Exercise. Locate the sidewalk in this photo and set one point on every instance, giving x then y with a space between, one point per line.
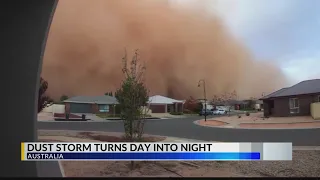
256 121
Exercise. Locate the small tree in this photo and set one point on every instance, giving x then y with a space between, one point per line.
43 99
192 105
226 99
132 96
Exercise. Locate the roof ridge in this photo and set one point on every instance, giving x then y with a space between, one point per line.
298 84
275 92
297 89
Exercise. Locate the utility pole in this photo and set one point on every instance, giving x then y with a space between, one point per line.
205 97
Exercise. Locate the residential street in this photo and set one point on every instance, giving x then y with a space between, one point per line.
185 128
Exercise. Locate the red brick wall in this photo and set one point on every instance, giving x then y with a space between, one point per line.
111 109
282 108
180 107
95 108
67 107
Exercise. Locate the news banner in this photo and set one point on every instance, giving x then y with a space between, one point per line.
39 151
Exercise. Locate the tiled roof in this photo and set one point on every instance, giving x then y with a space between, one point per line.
304 87
93 99
157 99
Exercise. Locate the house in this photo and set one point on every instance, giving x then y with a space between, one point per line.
251 104
238 105
258 105
292 101
161 104
90 104
206 104
230 104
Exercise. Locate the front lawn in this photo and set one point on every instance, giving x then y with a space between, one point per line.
104 115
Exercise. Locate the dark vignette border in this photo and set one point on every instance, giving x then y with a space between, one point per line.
24 30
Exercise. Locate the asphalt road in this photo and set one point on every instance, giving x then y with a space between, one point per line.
48 169
185 128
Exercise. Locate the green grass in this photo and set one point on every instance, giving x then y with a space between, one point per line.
104 115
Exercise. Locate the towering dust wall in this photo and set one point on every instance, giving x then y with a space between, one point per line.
87 40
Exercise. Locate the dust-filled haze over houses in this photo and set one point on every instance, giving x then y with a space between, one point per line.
179 45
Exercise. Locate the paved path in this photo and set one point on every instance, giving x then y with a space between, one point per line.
185 128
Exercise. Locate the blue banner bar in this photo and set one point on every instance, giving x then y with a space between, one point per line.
148 156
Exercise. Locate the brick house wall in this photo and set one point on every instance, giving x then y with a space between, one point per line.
282 107
180 107
266 110
67 107
95 108
316 98
111 109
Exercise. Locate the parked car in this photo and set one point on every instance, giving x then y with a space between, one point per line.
205 112
220 112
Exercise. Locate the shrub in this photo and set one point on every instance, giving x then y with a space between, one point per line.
187 111
43 99
63 98
192 105
247 114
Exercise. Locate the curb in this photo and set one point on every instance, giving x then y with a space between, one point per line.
174 139
168 138
227 126
105 120
61 169
233 127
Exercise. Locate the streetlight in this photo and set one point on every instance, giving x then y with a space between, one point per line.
205 97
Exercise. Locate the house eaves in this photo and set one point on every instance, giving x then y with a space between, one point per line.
302 88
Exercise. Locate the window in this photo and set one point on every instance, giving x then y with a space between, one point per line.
104 108
294 105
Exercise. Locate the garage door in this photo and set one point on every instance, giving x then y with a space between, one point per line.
80 108
155 108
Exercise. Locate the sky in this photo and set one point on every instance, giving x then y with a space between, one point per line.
284 31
